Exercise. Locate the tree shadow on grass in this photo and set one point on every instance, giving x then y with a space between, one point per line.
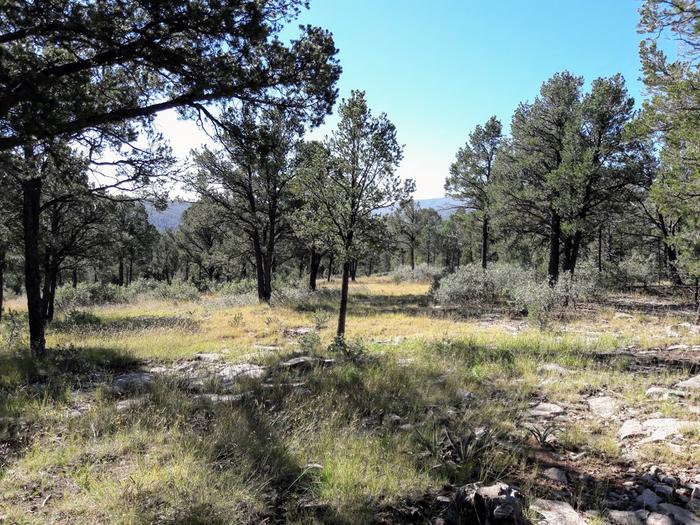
86 322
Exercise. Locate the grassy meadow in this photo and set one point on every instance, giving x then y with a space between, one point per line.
358 439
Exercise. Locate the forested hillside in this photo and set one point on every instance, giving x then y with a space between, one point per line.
305 341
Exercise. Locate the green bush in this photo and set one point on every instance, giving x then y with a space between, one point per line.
421 273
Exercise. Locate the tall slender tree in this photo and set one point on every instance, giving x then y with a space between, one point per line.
471 175
359 178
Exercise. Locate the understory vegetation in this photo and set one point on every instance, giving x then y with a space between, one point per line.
420 399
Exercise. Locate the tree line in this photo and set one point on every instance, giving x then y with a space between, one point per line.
580 174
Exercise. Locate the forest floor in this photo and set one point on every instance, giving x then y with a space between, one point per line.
218 411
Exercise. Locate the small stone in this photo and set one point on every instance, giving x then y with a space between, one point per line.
392 420
556 474
630 428
667 480
465 396
545 410
657 392
208 356
690 384
221 398
658 519
133 381
304 361
603 406
552 368
556 512
663 490
623 517
649 500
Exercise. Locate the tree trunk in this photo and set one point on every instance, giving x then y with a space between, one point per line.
484 243
31 210
353 271
342 313
314 263
412 253
672 257
554 237
120 276
51 298
600 249
259 270
330 266
2 281
75 277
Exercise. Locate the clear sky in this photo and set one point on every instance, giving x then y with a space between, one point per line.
439 68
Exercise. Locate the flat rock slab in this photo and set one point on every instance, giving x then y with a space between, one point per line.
659 392
545 410
552 368
658 519
556 513
299 362
630 428
221 398
133 381
624 517
690 384
661 429
680 514
604 407
233 372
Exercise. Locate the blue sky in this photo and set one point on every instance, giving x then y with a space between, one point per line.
439 68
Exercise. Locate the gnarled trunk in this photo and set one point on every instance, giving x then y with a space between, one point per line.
314 263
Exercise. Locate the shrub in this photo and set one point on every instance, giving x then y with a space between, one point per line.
421 273
515 288
473 284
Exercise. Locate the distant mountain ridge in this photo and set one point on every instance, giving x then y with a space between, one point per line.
171 217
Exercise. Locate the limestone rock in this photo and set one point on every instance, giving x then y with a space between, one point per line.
556 513
658 519
545 410
133 381
660 429
624 517
556 474
630 428
658 392
499 504
604 407
690 384
304 361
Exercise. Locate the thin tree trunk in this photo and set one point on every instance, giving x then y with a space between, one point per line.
484 243
31 210
353 271
51 299
554 237
412 252
314 263
2 281
75 277
342 313
120 276
330 266
600 249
